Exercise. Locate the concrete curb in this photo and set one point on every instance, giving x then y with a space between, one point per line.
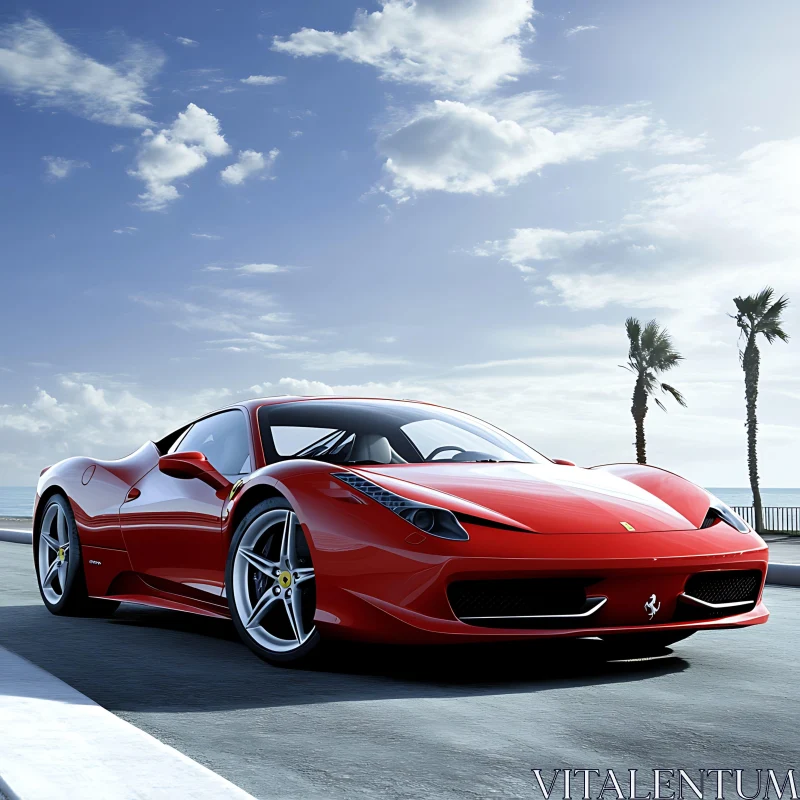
5 791
95 754
19 537
783 574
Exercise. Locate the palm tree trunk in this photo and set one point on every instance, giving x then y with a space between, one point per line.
639 411
751 360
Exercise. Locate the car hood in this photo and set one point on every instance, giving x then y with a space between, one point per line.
546 498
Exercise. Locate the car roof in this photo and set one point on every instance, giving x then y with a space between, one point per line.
257 402
252 405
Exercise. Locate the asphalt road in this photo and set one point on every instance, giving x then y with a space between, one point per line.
426 723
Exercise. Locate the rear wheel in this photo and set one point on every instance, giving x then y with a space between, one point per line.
59 567
644 643
271 585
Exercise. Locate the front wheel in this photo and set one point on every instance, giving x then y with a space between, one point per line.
271 584
57 557
644 643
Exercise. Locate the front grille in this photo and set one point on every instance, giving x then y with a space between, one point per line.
726 586
476 602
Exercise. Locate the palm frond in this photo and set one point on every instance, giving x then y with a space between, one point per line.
649 336
770 323
777 308
754 305
649 382
771 334
763 299
758 314
633 328
665 387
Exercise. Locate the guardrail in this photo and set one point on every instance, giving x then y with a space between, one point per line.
776 518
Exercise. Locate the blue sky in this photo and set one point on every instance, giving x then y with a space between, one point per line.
452 201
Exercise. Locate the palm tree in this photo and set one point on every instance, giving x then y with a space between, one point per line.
756 314
651 352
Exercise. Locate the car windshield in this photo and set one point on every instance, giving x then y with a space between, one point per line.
382 432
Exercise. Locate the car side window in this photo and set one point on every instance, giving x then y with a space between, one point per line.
223 439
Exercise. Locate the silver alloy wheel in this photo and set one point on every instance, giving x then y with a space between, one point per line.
271 584
53 553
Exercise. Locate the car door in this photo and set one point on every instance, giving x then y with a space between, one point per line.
173 526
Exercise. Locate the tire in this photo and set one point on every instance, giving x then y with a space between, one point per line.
273 616
644 643
59 565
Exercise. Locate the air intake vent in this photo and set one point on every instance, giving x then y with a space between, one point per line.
711 517
524 602
711 595
725 586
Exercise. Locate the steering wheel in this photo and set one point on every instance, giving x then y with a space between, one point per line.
443 449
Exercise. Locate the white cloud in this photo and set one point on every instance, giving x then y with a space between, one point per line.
186 42
191 316
261 269
340 359
37 64
752 128
275 318
486 147
580 29
257 342
117 148
539 244
211 236
467 47
675 143
246 297
301 387
176 152
262 80
746 210
718 231
670 171
452 147
57 168
128 229
587 291
250 162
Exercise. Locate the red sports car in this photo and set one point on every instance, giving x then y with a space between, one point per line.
393 521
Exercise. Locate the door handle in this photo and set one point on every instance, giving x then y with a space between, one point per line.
132 494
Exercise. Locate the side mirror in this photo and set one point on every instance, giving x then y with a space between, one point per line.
564 462
194 465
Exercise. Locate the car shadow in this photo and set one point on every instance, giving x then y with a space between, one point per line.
149 660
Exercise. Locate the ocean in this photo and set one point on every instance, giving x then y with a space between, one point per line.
17 501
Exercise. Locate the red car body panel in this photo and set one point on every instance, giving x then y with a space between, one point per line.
173 531
381 579
545 498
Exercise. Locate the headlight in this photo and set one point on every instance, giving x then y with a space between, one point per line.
719 511
430 519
